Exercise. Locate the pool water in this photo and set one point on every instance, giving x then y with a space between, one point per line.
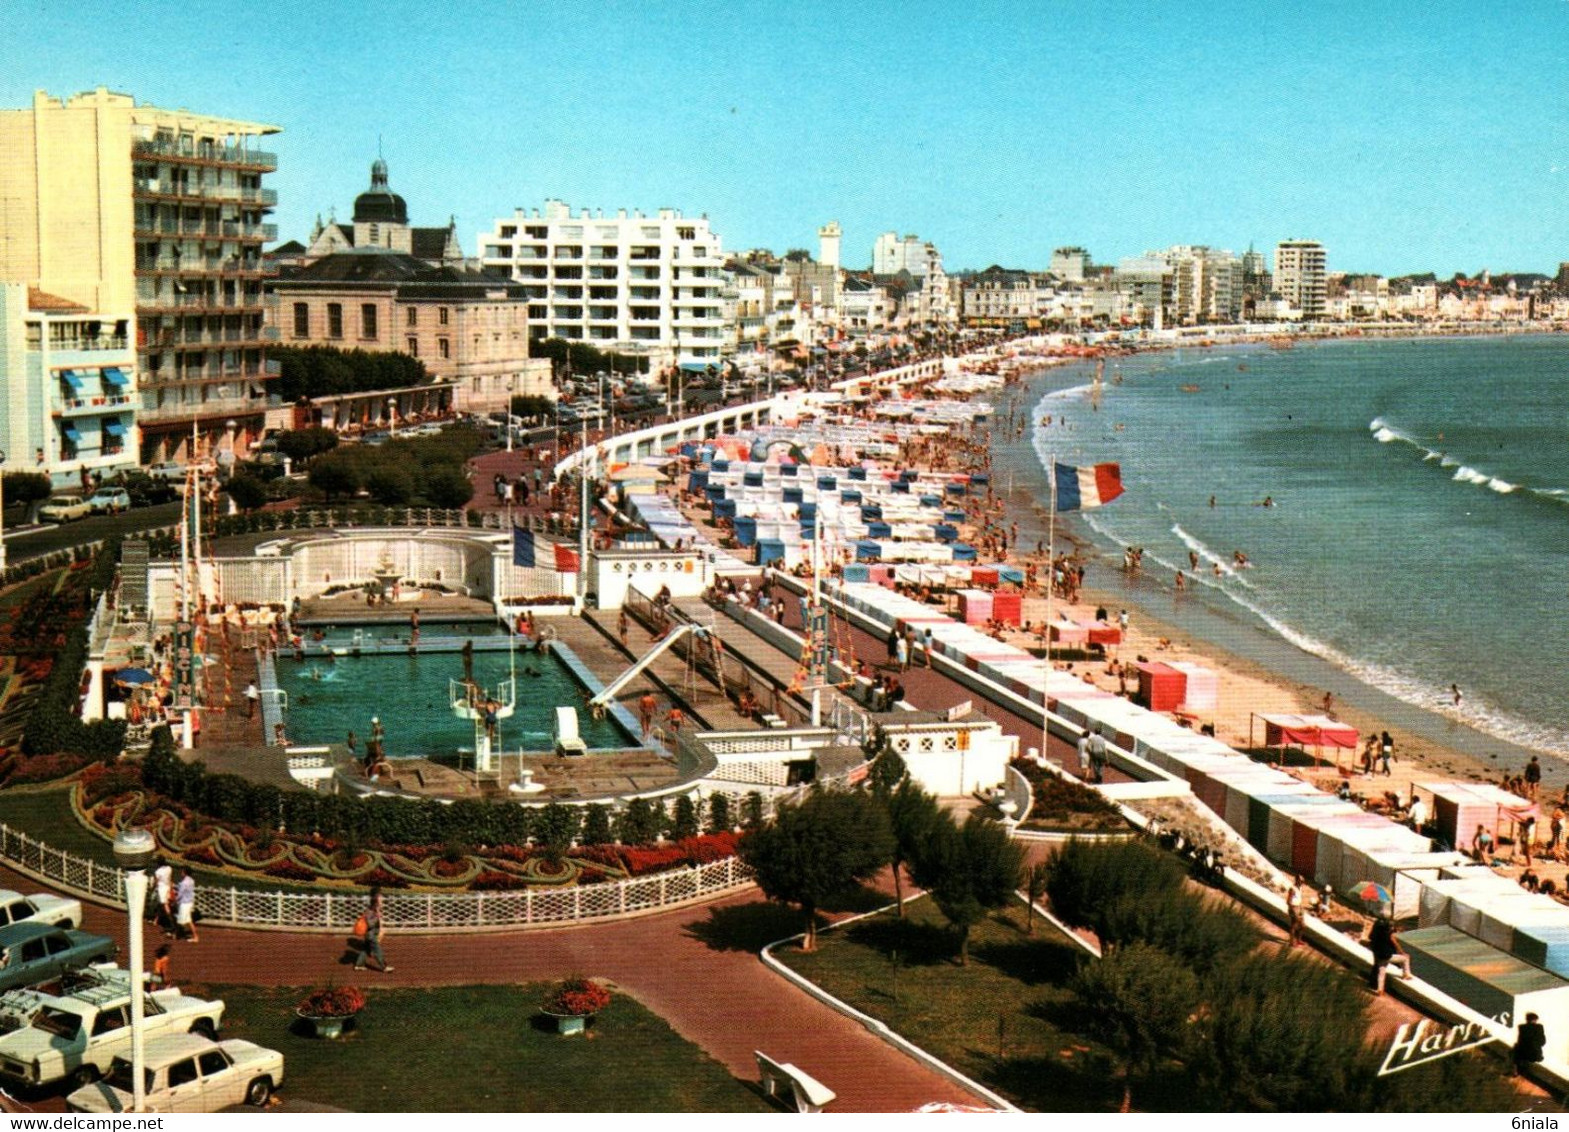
409 693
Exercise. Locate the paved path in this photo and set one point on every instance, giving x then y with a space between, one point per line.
697 967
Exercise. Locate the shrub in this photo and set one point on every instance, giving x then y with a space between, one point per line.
1086 878
719 813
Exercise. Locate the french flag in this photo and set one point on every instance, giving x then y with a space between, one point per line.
1079 489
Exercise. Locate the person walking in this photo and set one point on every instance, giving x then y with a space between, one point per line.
926 648
1384 942
1084 752
1097 756
1533 778
185 906
1294 911
163 893
646 705
368 929
902 653
252 698
1386 752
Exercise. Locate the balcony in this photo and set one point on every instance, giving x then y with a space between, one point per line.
241 157
86 345
154 305
211 229
152 413
91 406
145 188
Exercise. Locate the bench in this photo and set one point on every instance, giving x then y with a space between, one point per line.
807 1093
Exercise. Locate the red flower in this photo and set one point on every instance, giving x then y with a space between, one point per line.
578 996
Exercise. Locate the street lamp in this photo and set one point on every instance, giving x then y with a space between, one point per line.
134 850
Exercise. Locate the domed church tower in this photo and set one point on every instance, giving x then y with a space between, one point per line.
381 218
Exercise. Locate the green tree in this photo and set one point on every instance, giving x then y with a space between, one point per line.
532 406
557 826
1035 888
447 487
973 869
1138 1000
914 816
639 824
596 825
301 444
719 820
1086 877
1284 1033
30 488
391 486
685 822
247 491
334 477
817 849
888 771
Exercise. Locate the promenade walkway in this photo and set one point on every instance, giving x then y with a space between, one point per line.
696 967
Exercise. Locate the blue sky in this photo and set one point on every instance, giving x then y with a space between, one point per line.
1406 137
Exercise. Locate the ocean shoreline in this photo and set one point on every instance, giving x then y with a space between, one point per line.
1231 639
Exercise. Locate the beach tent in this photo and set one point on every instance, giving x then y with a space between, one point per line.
1161 687
1304 731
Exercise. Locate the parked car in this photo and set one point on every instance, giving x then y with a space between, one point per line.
187 1073
109 500
168 470
40 908
64 508
77 1034
35 953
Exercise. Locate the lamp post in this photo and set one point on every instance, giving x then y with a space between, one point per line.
511 382
134 850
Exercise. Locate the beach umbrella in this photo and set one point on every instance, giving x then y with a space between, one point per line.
1371 892
133 676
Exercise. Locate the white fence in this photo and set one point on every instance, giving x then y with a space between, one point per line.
421 912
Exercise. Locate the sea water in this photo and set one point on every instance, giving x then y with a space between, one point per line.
1420 505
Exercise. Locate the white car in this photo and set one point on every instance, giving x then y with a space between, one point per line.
64 508
187 1073
39 908
76 1035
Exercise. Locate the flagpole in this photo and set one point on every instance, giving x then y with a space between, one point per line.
1051 578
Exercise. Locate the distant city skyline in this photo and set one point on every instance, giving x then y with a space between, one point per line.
1394 135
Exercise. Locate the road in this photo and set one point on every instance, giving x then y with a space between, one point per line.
47 537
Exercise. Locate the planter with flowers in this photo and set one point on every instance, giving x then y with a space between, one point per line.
329 1009
575 1002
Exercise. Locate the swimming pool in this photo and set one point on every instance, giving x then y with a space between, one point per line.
330 696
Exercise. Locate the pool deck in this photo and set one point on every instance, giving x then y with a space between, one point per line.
350 608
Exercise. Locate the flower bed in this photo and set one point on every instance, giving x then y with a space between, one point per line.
108 799
1059 804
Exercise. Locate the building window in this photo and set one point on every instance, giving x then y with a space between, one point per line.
368 320
443 348
413 347
334 320
441 315
413 316
302 320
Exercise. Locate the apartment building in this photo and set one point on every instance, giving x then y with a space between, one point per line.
997 296
1207 283
1070 264
67 378
893 253
1300 276
628 283
121 207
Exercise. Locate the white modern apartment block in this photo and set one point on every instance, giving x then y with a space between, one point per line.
628 283
67 387
1300 276
1207 283
893 253
1071 264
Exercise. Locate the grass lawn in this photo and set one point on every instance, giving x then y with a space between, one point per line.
483 1049
1005 1020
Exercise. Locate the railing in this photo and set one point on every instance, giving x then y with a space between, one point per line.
422 912
99 403
228 155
